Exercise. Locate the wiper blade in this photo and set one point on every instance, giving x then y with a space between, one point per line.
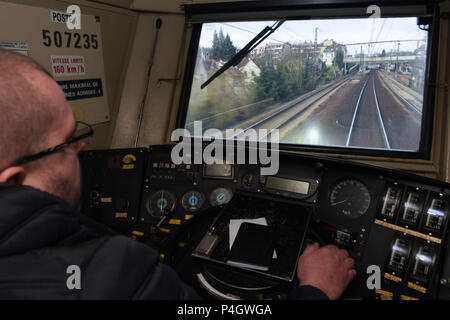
237 58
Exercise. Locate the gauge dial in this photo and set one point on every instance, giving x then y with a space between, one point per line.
160 202
192 201
350 198
220 196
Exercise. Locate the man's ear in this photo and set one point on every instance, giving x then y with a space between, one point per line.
14 175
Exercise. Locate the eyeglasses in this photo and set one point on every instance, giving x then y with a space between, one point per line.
83 132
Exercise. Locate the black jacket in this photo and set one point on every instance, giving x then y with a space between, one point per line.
41 236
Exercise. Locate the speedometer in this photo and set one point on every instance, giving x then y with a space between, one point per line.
350 198
220 196
192 201
160 203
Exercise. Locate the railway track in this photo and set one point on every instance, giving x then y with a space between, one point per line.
381 121
280 118
408 104
368 99
364 114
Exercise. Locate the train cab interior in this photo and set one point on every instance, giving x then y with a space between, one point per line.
230 135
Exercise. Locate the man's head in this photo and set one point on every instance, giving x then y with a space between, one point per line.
35 116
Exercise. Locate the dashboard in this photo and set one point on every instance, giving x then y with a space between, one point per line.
233 233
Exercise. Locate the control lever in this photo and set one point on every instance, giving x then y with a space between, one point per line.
165 215
210 240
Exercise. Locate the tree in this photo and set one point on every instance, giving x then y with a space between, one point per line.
264 82
229 50
339 58
222 48
306 74
215 47
294 75
277 83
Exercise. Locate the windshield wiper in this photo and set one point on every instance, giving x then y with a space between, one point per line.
237 58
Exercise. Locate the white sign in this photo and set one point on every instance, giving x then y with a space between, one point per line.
17 46
59 16
72 18
72 56
63 66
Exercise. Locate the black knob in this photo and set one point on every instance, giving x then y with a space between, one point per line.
158 23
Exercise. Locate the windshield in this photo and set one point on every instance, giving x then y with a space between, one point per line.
337 83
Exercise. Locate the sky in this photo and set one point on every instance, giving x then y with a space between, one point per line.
343 31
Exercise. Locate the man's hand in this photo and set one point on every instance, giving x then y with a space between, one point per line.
328 268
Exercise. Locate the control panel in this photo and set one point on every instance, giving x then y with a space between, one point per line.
413 219
192 213
112 186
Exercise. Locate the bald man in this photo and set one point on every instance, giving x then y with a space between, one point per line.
42 237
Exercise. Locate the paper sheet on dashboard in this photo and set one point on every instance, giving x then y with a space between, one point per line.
236 223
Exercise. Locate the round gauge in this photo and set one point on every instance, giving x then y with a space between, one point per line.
192 201
160 202
220 196
350 198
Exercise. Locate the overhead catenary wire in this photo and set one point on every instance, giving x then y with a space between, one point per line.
252 32
378 35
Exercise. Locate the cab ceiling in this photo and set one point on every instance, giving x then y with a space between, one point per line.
171 6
